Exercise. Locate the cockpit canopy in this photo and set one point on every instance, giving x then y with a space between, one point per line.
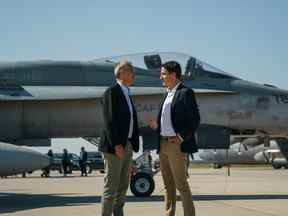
192 68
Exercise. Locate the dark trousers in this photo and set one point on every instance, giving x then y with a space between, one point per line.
83 168
65 167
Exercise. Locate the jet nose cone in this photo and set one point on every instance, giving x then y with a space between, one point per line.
37 160
15 160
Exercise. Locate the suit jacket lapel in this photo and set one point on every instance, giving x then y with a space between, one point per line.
161 105
122 96
162 100
132 104
175 96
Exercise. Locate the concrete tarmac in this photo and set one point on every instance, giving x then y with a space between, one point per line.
258 191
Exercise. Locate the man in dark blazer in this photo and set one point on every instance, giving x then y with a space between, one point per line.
119 139
177 122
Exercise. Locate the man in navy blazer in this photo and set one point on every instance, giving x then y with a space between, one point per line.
176 124
119 139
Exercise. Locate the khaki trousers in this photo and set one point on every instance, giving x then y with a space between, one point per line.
116 182
173 165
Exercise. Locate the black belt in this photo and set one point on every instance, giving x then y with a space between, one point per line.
167 137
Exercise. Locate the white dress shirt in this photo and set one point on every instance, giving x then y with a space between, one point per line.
126 92
166 123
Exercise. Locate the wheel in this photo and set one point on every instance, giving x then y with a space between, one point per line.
276 166
217 166
142 184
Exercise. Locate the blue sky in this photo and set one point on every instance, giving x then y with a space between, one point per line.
247 38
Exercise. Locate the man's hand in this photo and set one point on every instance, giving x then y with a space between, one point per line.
153 124
119 151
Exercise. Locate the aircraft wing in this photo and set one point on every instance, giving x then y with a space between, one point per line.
35 93
214 92
28 93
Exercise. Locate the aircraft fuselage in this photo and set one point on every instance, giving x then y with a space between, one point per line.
83 117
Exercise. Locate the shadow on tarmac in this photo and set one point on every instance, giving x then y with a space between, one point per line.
13 202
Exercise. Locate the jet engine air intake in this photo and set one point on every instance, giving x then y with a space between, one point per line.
212 137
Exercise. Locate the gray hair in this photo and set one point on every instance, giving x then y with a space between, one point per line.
123 65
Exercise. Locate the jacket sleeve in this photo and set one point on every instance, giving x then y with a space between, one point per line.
135 136
191 110
110 121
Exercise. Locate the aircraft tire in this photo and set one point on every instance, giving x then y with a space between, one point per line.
142 184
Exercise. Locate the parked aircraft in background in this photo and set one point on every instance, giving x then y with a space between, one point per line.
236 154
40 100
239 153
15 160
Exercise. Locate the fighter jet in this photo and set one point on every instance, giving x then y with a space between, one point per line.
236 154
240 153
15 160
47 99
